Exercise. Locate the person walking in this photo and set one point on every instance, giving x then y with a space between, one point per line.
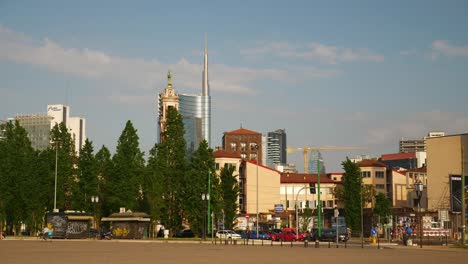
45 233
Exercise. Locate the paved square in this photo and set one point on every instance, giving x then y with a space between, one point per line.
116 252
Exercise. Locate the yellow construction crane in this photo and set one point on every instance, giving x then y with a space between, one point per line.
307 149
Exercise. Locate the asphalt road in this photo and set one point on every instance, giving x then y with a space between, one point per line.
116 252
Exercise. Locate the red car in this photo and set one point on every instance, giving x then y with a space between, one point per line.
289 234
273 235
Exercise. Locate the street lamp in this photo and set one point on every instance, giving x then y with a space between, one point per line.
55 189
419 188
95 201
205 197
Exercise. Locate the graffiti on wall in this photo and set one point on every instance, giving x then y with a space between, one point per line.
58 224
77 227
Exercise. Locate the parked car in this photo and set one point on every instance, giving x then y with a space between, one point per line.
227 234
329 234
261 235
273 235
187 233
242 233
289 234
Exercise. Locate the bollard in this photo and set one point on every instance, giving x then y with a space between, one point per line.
272 242
306 243
226 242
262 241
317 244
328 244
291 243
281 242
346 243
235 242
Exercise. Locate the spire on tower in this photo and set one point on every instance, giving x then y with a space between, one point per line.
205 85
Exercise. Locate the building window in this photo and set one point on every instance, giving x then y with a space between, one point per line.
365 174
253 156
243 156
243 146
234 146
330 204
379 174
217 166
253 147
379 186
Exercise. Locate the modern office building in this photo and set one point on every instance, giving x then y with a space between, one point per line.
191 109
417 145
246 143
314 157
38 128
276 148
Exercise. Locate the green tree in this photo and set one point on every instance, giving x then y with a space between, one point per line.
168 166
62 143
202 170
383 207
126 178
230 194
153 186
17 158
352 183
88 178
104 169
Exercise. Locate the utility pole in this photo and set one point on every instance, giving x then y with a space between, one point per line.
319 203
463 209
209 207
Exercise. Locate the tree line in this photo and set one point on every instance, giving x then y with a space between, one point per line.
168 185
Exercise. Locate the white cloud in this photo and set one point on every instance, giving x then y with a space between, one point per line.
443 47
313 51
138 73
417 125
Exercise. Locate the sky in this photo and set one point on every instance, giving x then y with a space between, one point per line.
332 73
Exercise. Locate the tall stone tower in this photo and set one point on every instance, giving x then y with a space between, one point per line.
167 99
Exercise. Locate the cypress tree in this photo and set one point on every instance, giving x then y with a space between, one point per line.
352 183
229 192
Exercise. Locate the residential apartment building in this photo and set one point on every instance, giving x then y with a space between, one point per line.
296 187
246 143
374 173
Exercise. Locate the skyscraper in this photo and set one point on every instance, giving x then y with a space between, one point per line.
313 157
276 148
206 98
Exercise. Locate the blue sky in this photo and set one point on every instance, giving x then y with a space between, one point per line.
332 73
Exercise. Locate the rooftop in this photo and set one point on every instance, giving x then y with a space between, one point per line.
371 163
221 153
242 131
305 178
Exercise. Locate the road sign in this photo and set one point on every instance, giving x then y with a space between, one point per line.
247 216
278 208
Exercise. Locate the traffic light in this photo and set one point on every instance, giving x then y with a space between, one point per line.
312 187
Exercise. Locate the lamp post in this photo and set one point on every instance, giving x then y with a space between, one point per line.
362 218
205 228
207 196
419 188
297 215
319 203
55 189
95 201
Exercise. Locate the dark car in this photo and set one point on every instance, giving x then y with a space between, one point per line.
261 235
329 234
187 233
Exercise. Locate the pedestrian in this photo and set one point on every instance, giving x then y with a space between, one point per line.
248 233
45 233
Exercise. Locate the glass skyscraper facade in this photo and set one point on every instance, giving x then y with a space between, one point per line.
276 148
191 109
38 128
313 157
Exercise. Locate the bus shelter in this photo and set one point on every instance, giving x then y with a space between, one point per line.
128 225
